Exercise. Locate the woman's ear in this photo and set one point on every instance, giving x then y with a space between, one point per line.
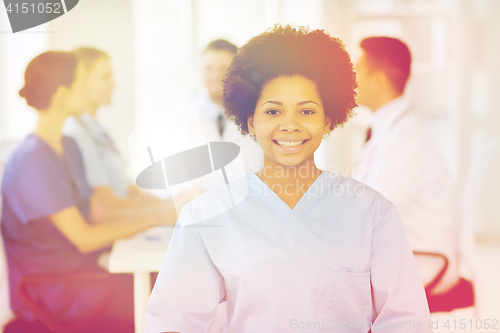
251 130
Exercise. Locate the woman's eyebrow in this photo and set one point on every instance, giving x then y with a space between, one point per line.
273 102
306 102
298 104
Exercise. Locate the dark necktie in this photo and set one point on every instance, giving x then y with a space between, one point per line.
220 124
368 134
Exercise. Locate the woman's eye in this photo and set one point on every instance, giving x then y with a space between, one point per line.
272 112
307 111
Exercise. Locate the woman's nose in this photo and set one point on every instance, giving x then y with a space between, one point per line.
290 123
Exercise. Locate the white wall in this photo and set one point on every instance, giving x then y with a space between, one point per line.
171 36
107 25
16 51
163 56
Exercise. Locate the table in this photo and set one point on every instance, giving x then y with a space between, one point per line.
141 255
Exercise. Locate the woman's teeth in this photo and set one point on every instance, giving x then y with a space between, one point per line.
288 144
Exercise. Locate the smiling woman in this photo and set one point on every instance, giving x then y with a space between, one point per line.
302 247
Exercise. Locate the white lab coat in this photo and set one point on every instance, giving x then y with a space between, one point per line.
103 164
402 162
208 112
339 259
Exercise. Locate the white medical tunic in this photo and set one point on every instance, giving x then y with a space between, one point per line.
402 162
339 260
103 163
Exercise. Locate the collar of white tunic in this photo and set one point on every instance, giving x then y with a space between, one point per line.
92 125
385 116
210 109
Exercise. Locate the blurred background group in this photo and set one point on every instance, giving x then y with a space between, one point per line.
158 61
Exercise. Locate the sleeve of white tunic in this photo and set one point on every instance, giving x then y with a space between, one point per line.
199 287
397 290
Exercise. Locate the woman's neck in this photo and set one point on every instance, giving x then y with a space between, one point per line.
49 128
302 175
92 110
290 183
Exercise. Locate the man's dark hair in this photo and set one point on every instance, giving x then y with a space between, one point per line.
288 51
221 45
391 56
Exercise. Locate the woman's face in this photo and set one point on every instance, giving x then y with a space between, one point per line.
289 121
74 96
99 83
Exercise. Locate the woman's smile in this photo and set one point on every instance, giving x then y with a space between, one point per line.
290 146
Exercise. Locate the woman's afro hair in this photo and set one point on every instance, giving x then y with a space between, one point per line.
287 51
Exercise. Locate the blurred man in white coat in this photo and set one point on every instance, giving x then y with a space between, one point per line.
216 60
400 160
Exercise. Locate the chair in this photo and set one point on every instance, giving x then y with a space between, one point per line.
24 326
461 295
48 321
5 312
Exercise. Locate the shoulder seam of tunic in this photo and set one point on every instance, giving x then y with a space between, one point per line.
391 206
